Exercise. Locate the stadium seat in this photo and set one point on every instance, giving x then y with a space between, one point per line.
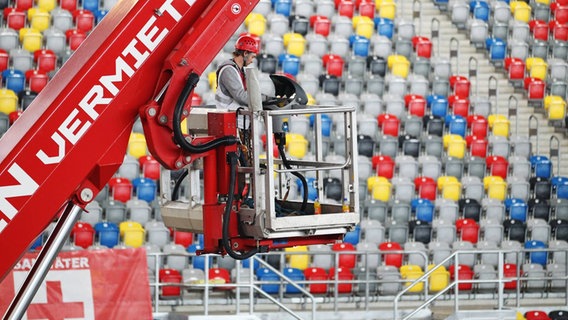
345 276
316 274
132 234
120 189
168 275
83 234
391 259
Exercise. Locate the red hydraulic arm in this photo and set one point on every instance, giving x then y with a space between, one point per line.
72 138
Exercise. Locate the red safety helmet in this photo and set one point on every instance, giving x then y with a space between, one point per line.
249 43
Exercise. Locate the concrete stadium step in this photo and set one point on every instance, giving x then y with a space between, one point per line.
485 69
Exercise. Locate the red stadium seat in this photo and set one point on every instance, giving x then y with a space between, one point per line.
170 276
426 187
37 80
69 5
45 59
468 230
389 124
415 105
83 234
559 31
150 167
13 116
346 8
515 68
84 20
464 272
196 100
391 259
75 38
422 47
4 60
183 237
24 5
120 189
478 125
497 166
220 276
536 315
459 106
384 166
461 86
560 12
343 274
367 9
15 19
333 65
477 146
347 260
510 271
536 88
539 29
316 274
320 25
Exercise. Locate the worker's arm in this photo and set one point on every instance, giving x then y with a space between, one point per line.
233 85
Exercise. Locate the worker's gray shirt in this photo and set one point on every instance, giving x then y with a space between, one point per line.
230 90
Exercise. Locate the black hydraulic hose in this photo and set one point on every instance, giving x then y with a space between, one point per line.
175 192
179 138
227 214
299 176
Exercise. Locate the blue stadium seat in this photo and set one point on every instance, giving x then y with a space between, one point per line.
384 26
295 275
456 125
107 233
423 209
265 274
540 257
438 105
291 64
480 10
145 188
517 209
541 166
14 80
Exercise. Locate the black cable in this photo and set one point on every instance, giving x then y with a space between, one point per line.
175 192
227 214
299 176
179 138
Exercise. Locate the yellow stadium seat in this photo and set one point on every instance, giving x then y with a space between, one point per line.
452 190
501 127
256 24
46 5
411 273
382 190
132 233
443 180
439 279
298 261
537 67
371 181
8 101
297 145
296 44
490 179
387 9
32 39
212 78
521 11
497 190
399 65
363 26
555 107
457 147
137 145
545 2
311 100
41 20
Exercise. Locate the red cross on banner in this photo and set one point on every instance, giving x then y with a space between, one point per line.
70 309
101 284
